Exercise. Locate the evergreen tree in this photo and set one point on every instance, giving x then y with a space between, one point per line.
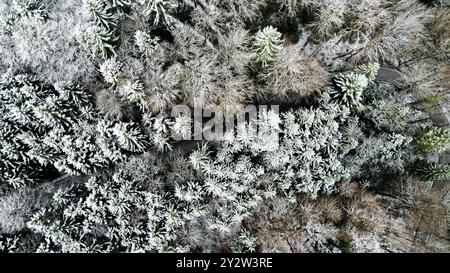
349 86
159 10
101 13
30 8
99 40
110 70
432 140
267 45
435 171
146 43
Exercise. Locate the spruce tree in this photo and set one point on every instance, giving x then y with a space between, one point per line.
432 140
267 44
435 171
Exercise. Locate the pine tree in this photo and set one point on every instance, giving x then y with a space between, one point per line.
110 70
435 172
30 8
146 44
432 140
349 88
246 242
159 10
199 157
73 93
129 137
134 93
99 40
101 14
370 70
267 45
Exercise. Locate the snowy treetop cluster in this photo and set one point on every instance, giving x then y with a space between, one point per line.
355 160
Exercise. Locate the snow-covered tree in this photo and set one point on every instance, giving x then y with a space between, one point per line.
432 140
110 70
99 40
435 171
267 44
145 42
349 86
159 9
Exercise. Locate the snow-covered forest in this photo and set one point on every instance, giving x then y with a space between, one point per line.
351 154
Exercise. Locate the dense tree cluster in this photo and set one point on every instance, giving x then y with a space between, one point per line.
353 158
